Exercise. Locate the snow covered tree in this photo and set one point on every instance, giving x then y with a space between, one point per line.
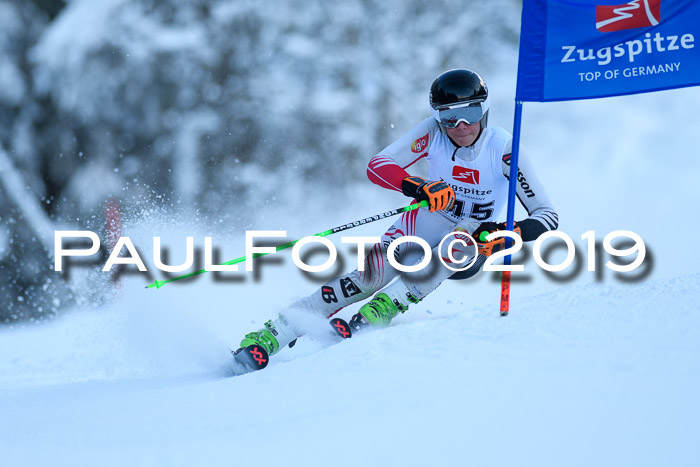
193 105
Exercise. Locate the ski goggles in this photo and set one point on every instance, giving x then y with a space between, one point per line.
468 112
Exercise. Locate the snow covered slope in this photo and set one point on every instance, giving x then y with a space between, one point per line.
586 375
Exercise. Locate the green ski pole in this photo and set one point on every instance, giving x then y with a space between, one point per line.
158 284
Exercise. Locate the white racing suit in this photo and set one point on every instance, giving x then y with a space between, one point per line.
479 177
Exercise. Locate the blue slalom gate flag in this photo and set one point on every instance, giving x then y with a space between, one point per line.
585 49
581 49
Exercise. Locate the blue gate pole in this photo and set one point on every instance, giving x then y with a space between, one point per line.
512 187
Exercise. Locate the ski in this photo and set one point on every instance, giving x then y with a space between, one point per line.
346 329
249 359
341 328
254 357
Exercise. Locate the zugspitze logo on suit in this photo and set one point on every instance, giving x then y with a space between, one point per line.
462 174
635 14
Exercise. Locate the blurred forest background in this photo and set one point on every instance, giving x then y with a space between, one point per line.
204 107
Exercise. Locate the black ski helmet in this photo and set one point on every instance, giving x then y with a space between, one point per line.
460 85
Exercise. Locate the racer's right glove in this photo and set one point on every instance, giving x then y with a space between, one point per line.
440 195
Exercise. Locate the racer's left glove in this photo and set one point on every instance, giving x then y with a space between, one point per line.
488 248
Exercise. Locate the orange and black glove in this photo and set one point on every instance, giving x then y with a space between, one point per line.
439 194
488 248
